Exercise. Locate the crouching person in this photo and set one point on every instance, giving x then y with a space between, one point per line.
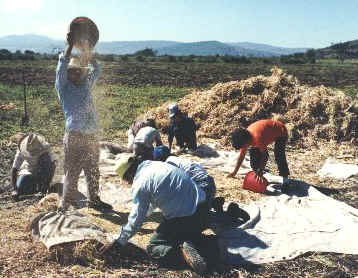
182 128
134 129
33 167
256 138
184 206
144 140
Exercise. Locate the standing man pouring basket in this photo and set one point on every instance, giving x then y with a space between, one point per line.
74 82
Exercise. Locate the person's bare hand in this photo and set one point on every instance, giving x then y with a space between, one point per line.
259 175
259 179
231 175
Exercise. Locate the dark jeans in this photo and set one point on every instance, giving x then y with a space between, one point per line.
171 233
280 156
26 184
187 139
256 157
37 182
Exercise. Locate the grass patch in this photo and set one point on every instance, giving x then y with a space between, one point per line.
351 91
117 107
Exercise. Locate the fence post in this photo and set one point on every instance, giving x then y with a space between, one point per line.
25 118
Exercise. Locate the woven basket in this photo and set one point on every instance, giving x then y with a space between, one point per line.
85 33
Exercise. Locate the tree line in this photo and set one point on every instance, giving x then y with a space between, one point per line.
26 55
340 51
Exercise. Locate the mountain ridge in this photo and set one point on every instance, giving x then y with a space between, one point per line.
44 44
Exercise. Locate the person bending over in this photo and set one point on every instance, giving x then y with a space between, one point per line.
33 167
184 206
135 127
143 142
256 138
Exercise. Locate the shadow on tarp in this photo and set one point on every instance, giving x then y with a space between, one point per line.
296 188
327 191
300 189
205 151
245 241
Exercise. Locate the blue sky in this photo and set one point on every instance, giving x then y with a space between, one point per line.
305 23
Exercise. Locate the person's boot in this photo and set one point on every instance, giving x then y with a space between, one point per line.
235 212
218 203
98 204
193 258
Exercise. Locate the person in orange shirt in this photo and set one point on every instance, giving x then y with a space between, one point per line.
256 138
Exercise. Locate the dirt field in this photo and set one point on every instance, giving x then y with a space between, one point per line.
192 75
23 257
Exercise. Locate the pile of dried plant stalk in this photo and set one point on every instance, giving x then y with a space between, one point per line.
309 113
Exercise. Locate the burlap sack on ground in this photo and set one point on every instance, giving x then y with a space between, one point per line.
54 228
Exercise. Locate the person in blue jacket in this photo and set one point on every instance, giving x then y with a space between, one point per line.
184 206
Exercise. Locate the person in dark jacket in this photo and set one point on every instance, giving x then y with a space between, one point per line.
183 128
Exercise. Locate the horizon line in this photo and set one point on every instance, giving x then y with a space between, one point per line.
109 41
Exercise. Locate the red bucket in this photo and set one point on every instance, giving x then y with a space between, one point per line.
252 184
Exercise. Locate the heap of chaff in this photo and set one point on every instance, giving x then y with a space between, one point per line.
309 112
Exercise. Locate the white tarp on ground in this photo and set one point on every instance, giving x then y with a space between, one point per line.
117 194
111 192
285 226
337 170
223 161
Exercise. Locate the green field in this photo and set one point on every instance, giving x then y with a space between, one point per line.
117 107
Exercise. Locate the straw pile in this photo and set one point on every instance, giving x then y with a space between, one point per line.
309 113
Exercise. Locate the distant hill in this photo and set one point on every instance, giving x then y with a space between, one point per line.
130 47
206 48
32 42
275 50
43 44
349 49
